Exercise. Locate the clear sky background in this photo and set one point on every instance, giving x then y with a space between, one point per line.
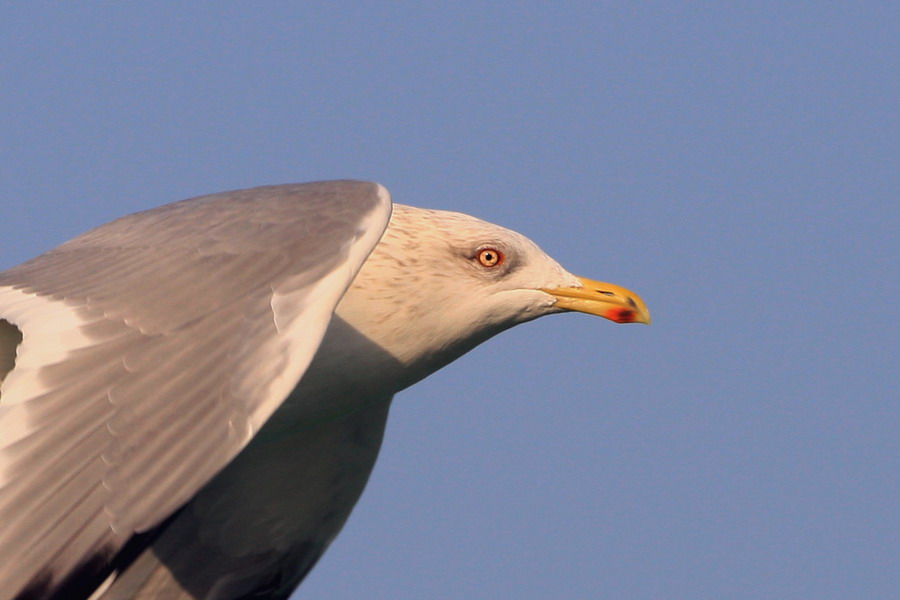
734 163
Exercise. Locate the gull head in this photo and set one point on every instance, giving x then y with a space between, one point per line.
439 283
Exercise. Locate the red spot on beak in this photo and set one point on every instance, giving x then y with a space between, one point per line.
620 315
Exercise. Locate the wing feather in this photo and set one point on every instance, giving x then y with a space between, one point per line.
152 349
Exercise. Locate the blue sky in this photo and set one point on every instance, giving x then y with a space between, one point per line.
734 163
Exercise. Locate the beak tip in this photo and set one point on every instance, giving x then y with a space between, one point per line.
619 314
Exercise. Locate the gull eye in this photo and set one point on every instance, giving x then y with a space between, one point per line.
489 257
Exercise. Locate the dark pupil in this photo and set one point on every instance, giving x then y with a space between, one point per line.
488 257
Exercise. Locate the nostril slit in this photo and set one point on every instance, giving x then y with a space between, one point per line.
606 293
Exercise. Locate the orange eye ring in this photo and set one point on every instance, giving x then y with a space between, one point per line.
490 257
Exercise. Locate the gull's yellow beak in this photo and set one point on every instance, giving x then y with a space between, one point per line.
606 300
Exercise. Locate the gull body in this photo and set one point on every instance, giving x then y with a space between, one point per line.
219 373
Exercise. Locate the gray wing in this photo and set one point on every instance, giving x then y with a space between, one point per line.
152 349
261 524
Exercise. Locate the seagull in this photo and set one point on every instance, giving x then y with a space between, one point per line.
192 397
